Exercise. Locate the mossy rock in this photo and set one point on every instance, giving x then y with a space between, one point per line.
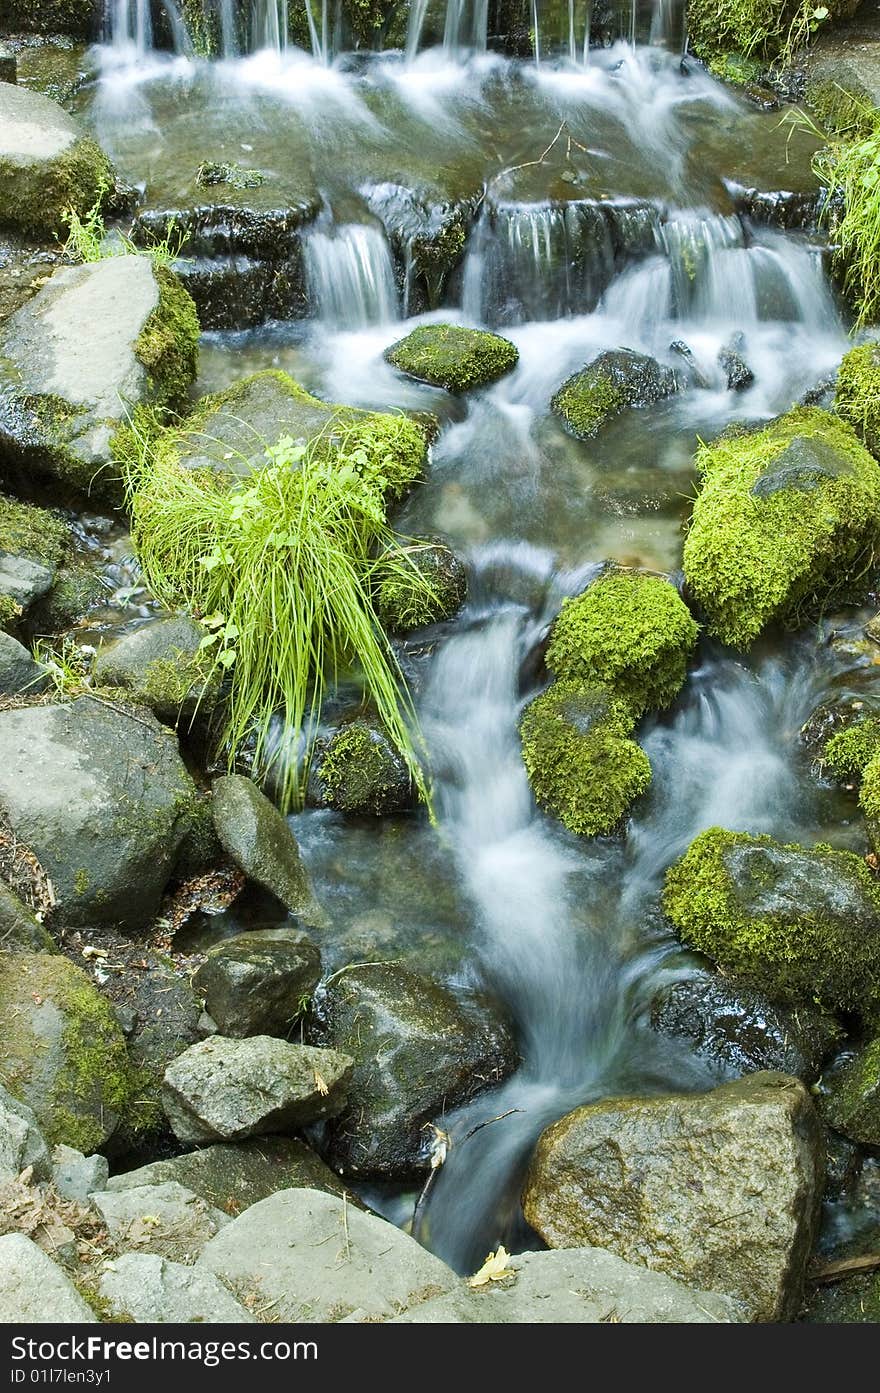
19 927
787 521
62 1051
857 394
47 164
436 592
445 355
229 431
582 765
849 751
359 771
629 630
851 1096
611 383
799 925
78 589
163 666
26 530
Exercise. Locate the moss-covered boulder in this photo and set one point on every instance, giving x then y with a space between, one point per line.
19 926
852 755
78 589
582 765
802 926
47 164
162 665
857 393
851 1096
437 591
446 355
33 543
787 519
96 342
229 431
62 1051
359 771
629 630
608 385
102 799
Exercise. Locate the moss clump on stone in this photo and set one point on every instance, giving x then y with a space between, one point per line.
851 1103
839 111
581 763
760 28
26 530
77 589
446 355
787 520
735 69
800 925
35 197
404 605
211 172
629 630
168 344
608 385
361 773
848 751
857 395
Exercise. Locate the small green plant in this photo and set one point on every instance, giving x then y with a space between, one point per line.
280 567
87 238
66 666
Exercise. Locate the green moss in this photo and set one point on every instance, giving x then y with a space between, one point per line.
35 196
200 849
851 1103
582 766
10 611
405 604
842 112
81 881
629 630
787 520
360 772
735 69
168 344
869 793
857 394
168 683
763 28
848 751
451 357
788 944
588 406
615 380
26 530
235 175
77 589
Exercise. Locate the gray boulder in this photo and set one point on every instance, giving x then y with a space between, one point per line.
315 1258
21 1141
33 1290
221 1089
95 342
608 385
47 163
575 1286
166 1219
719 1190
258 982
19 673
259 840
418 1053
76 1176
150 1288
102 798
23 580
161 665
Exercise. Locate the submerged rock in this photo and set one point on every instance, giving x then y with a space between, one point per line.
222 1089
359 771
719 1190
259 982
161 664
784 519
316 1258
259 840
851 1096
66 391
582 765
418 1052
102 799
629 630
446 355
612 382
147 1288
857 393
47 164
800 926
437 592
34 1290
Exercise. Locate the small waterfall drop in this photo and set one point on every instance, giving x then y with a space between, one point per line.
129 27
269 25
351 276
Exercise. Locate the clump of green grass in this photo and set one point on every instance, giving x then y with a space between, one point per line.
280 567
87 238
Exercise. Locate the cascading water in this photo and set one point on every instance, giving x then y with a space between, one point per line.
351 277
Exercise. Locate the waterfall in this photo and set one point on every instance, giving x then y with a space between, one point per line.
269 24
320 39
465 28
351 277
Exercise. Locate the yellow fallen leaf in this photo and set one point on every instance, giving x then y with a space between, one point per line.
321 1084
493 1269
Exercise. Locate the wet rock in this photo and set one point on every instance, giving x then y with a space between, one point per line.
102 799
62 1052
259 840
458 359
22 582
608 385
800 926
418 1053
19 673
222 1090
56 67
851 1096
235 1175
76 1176
736 369
76 18
696 376
161 664
315 1258
62 406
853 1302
789 209
782 522
147 1288
436 593
828 719
719 1190
34 1290
843 81
741 1032
167 1220
843 1165
359 771
47 163
21 1142
428 239
577 1286
582 765
257 983
19 926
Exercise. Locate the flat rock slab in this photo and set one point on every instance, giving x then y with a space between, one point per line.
318 1259
102 798
222 1089
149 1288
168 1220
33 1290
